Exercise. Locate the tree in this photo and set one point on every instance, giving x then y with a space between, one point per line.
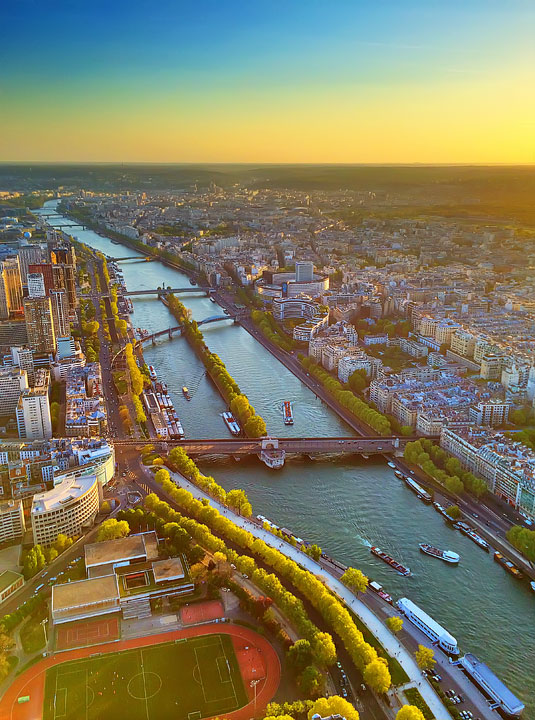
112 530
355 580
410 712
324 649
238 500
105 507
334 705
394 624
377 675
425 657
454 512
300 655
358 381
407 430
314 551
454 484
255 427
311 681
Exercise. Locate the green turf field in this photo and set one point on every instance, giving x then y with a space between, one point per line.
187 680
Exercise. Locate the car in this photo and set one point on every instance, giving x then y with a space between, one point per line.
344 692
437 678
475 515
245 576
233 566
338 664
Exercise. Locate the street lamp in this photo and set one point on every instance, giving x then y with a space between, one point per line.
253 684
43 623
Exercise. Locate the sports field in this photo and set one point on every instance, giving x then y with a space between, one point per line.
188 679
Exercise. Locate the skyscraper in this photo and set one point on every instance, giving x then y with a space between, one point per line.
60 313
13 381
40 324
36 285
304 271
10 288
33 414
64 278
29 255
45 269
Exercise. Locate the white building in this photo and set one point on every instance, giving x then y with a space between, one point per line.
13 381
69 508
36 285
12 524
349 363
33 414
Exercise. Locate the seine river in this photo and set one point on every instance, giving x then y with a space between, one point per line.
343 505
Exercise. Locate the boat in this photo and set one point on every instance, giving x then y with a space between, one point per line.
398 567
288 413
192 282
152 373
378 589
185 392
274 459
391 465
446 555
508 565
231 423
399 474
532 585
212 299
469 532
420 492
443 511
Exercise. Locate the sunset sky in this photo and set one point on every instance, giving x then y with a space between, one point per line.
386 81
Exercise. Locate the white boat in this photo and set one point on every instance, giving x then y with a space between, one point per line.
391 465
231 423
274 459
446 555
532 585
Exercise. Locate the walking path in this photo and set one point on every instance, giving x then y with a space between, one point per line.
390 643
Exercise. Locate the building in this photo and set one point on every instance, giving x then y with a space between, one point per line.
9 582
40 324
304 271
285 285
492 686
10 288
29 255
60 313
301 307
33 414
508 467
493 412
13 382
12 525
36 285
463 343
123 575
44 269
22 357
69 508
349 363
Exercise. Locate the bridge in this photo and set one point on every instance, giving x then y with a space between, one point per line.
178 328
167 291
306 445
144 258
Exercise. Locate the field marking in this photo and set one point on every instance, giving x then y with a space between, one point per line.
145 684
86 705
64 696
230 674
145 675
226 666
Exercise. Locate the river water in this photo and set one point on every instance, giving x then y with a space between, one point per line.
344 505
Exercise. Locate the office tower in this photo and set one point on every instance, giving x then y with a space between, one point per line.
29 255
13 381
60 313
304 271
10 288
63 255
64 279
22 357
36 285
40 324
45 269
33 414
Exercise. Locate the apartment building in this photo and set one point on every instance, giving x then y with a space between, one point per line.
463 343
33 414
13 382
493 412
12 525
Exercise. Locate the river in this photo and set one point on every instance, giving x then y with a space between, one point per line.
346 505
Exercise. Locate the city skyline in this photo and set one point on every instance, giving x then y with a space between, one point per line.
269 83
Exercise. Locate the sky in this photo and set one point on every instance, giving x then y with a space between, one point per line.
276 81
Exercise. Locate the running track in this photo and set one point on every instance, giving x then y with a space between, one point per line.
32 681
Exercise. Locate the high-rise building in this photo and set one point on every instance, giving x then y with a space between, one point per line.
63 255
40 324
60 312
10 288
22 357
45 269
36 285
33 414
29 255
13 381
64 279
304 271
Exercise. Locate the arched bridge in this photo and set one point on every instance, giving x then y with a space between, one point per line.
168 291
178 328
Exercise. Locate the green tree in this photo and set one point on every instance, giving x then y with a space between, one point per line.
311 681
454 511
314 551
238 500
300 655
105 507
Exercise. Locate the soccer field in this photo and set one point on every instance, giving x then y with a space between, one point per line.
187 679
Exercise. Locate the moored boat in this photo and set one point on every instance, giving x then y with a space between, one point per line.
532 585
420 492
391 465
508 565
394 564
152 373
230 422
446 555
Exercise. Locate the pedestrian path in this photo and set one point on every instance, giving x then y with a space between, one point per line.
390 643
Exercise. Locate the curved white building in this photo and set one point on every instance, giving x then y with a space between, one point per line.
69 508
301 307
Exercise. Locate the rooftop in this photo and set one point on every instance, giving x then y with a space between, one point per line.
111 551
70 489
74 595
7 578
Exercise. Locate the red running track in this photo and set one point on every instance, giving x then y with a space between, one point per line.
32 681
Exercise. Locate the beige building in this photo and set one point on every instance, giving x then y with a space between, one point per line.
40 324
69 508
12 524
463 343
